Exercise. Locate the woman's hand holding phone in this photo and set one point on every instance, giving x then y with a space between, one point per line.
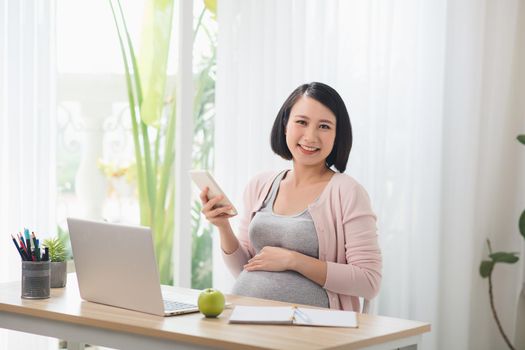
217 209
217 216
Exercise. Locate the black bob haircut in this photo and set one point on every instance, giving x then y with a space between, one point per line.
331 100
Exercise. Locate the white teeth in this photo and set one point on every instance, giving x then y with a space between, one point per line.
309 148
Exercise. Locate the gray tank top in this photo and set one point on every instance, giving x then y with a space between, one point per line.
295 232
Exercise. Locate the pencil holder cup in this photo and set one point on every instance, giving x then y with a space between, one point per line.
35 279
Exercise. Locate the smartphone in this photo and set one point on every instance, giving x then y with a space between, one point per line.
203 179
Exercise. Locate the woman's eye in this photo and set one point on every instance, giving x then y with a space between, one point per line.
325 126
301 122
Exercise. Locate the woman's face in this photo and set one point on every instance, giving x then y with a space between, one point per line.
310 132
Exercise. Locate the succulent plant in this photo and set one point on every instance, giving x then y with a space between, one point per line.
57 249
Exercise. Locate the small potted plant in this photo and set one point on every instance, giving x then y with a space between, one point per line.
57 257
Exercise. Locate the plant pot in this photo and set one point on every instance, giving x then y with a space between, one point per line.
58 274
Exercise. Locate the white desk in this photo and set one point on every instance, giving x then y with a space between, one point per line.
68 317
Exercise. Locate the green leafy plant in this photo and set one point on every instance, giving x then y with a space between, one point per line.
153 125
487 266
152 113
57 249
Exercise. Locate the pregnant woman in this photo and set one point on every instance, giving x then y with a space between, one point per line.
307 235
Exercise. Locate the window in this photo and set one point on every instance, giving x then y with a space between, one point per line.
96 171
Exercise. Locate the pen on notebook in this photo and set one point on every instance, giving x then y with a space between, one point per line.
301 314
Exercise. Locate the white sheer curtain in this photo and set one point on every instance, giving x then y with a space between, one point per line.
483 168
432 90
26 136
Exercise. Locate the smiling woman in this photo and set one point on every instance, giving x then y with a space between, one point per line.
307 235
434 95
308 108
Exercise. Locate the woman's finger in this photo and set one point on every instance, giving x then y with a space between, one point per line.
256 257
252 267
211 203
204 195
217 212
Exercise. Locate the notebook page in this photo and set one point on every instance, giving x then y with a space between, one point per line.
262 314
328 318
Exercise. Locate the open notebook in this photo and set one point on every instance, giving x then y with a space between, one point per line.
293 315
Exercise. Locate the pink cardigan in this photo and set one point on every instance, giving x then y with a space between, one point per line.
346 228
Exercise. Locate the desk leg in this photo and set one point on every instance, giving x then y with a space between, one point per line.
74 345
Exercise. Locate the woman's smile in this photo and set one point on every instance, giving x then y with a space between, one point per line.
310 132
308 150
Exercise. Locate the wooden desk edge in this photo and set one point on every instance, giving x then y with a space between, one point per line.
171 335
125 328
174 335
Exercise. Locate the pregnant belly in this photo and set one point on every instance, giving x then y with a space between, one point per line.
288 286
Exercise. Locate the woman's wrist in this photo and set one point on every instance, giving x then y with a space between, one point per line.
312 268
294 261
229 242
225 227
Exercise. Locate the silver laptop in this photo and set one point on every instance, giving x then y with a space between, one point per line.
115 265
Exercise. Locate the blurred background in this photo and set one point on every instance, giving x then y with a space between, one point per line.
435 95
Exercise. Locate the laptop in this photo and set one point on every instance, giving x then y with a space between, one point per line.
115 265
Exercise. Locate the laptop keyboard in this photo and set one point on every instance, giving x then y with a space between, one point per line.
170 305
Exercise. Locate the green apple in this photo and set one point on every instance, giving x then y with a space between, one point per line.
211 302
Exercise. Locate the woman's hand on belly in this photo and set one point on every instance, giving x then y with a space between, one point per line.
281 259
271 259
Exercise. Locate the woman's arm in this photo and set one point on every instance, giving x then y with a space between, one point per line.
219 217
311 268
229 242
237 249
235 256
360 274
